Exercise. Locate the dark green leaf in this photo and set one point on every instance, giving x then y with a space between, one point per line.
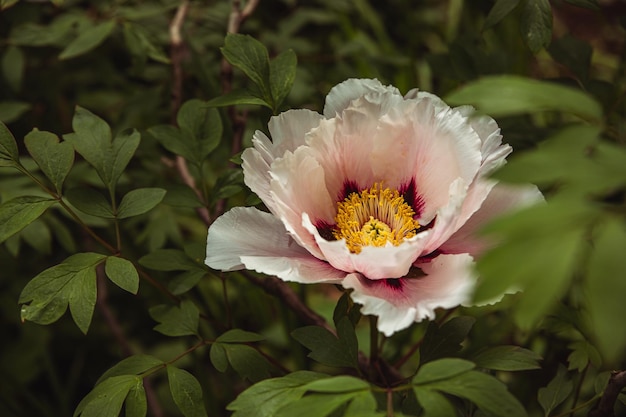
587 4
238 97
556 392
507 95
106 399
8 145
172 140
82 297
136 404
315 405
239 336
325 347
133 365
123 273
186 392
499 11
13 67
250 56
582 355
507 358
88 40
574 54
19 212
91 202
434 403
536 24
446 340
5 4
340 383
363 404
441 369
247 362
186 281
55 159
218 357
139 201
176 320
170 260
282 76
11 110
202 124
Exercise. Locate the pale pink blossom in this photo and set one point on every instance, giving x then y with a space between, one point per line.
382 194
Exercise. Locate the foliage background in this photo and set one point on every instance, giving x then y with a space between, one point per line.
133 64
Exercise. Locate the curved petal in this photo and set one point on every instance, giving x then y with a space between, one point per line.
256 166
341 95
288 130
245 237
447 282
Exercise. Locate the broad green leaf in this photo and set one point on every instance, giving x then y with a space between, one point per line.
46 297
136 403
239 336
19 212
13 66
170 260
555 392
88 40
489 394
499 11
123 273
325 347
139 201
247 362
133 365
176 320
202 125
536 24
507 358
172 139
186 281
250 56
340 383
434 403
446 340
8 145
441 369
238 97
90 201
140 45
106 399
53 157
507 95
218 357
263 399
186 392
11 110
363 404
606 286
315 405
282 76
583 354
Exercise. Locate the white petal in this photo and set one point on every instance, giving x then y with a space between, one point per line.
447 283
245 237
288 129
341 95
256 166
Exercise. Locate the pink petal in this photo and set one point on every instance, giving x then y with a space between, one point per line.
447 283
341 95
289 129
245 237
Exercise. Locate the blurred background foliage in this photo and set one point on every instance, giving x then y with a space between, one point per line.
133 65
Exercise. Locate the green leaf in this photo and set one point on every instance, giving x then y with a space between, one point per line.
88 40
218 357
499 11
13 67
441 369
507 358
176 320
434 403
122 272
508 95
11 110
574 54
587 4
53 157
340 383
139 201
445 340
317 405
46 297
250 56
489 394
247 362
5 4
556 391
133 365
282 76
239 336
536 24
186 281
583 354
136 404
606 286
238 97
19 212
8 145
186 392
203 125
170 260
91 202
172 139
106 399
363 404
263 399
325 347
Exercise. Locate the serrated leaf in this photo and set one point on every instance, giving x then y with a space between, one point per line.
106 399
317 405
433 403
176 320
19 212
88 40
123 273
263 399
136 403
13 66
11 110
282 76
8 145
536 24
499 10
605 287
441 369
557 391
55 158
139 201
186 392
133 365
247 362
91 202
250 56
340 383
203 125
170 260
238 97
218 357
239 336
507 358
445 340
508 95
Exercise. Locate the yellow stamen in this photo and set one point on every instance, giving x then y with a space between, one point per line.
374 217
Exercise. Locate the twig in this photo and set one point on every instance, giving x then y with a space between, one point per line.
617 382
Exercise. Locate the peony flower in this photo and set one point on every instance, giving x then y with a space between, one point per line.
382 194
